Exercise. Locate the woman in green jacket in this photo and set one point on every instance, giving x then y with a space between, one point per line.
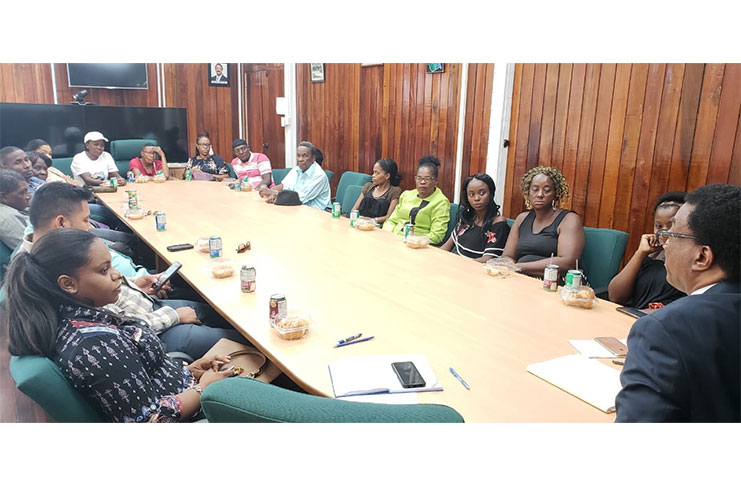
426 207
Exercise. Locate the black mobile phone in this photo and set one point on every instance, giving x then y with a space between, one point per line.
180 247
631 312
408 374
167 275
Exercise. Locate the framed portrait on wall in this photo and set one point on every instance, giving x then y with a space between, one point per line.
218 74
435 67
317 72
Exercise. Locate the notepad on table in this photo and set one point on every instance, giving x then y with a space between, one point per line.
586 379
592 349
366 375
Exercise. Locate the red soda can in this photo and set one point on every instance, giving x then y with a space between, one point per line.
278 307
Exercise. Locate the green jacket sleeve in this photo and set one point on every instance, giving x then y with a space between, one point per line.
439 220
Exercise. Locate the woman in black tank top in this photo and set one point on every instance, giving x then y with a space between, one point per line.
545 229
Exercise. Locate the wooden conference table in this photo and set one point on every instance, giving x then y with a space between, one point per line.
413 301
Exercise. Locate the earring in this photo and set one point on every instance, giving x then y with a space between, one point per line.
553 204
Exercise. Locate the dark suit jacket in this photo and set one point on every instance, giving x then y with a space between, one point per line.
683 361
224 79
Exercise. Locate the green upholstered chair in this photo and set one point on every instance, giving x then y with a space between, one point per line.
42 380
510 222
231 169
248 400
279 174
64 164
603 252
453 221
125 150
5 253
330 175
350 178
351 195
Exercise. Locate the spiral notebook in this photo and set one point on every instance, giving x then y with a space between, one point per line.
586 379
366 375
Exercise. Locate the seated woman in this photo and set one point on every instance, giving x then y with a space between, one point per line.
148 164
426 207
307 179
379 198
545 229
95 166
642 281
14 199
55 296
252 165
481 232
206 166
42 148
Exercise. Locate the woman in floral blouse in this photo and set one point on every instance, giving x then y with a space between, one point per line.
206 166
54 299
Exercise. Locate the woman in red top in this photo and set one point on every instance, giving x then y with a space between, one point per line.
148 164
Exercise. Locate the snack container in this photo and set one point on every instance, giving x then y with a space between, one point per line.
202 245
294 326
582 296
135 213
159 178
417 241
500 267
142 179
221 267
365 224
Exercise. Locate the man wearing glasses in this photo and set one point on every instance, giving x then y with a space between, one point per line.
683 360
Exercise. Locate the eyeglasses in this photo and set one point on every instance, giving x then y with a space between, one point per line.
664 236
424 179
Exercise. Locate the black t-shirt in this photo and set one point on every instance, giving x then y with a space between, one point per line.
473 241
651 285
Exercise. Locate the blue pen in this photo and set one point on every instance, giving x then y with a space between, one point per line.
460 379
354 341
351 338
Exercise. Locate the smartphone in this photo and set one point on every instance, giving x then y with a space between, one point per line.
408 374
167 275
613 345
631 311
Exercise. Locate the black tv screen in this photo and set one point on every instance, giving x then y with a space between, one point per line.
64 126
107 75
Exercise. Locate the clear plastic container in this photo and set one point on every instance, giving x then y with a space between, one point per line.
365 224
202 245
418 241
159 178
135 214
142 179
582 296
222 267
500 267
294 326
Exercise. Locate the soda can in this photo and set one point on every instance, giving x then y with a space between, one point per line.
573 279
133 198
278 307
214 247
336 208
130 176
160 220
408 230
550 278
354 214
113 182
188 175
247 278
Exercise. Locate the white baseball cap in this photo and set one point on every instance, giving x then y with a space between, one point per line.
93 136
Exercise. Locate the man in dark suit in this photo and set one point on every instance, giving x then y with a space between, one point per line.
683 360
219 78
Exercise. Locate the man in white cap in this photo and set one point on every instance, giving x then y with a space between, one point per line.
95 166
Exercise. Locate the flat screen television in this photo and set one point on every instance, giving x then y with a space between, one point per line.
107 75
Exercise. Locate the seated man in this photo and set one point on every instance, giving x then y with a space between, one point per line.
683 360
15 159
307 179
251 165
14 200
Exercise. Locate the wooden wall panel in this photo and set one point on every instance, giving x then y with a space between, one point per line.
26 83
625 134
210 108
360 114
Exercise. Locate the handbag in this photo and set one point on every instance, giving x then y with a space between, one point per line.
247 361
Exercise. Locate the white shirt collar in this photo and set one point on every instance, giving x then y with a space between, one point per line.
704 289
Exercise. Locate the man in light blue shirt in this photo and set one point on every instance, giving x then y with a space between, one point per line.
307 179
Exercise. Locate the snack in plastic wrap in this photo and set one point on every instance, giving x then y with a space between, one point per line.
365 224
293 326
582 296
141 179
159 178
222 268
418 241
134 214
500 267
202 245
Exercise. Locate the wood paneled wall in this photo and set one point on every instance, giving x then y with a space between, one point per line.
26 83
361 114
623 134
211 108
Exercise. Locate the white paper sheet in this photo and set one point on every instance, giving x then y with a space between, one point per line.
365 375
386 398
592 349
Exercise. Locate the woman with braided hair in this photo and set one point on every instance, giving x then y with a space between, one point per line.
545 229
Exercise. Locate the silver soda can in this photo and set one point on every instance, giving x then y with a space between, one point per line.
160 220
354 214
573 279
550 278
247 277
214 247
